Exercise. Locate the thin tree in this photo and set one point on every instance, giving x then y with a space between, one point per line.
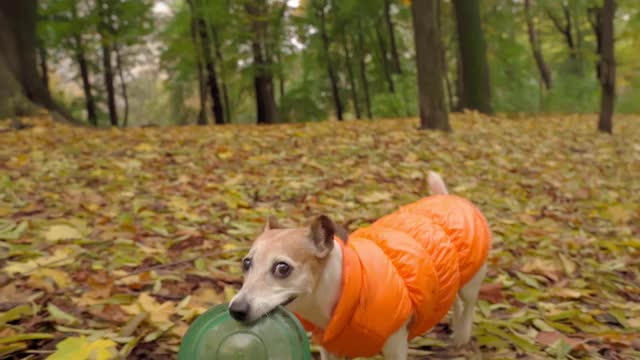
106 39
223 83
333 77
395 57
123 84
565 27
543 68
607 66
77 44
433 111
267 112
476 94
350 76
202 97
43 62
386 66
363 69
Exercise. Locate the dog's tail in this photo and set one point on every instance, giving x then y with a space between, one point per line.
436 184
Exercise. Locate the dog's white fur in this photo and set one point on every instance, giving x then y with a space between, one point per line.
315 303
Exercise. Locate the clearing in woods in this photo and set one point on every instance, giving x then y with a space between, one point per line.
113 241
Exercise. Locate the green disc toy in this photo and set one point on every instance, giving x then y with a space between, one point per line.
215 335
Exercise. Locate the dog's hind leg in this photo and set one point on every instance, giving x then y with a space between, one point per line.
464 308
397 346
325 355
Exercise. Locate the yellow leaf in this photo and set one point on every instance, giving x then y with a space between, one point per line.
62 232
79 348
144 147
45 278
225 155
159 314
375 197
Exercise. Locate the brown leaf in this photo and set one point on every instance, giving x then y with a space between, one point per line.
491 293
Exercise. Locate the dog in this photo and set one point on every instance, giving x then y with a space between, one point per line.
376 289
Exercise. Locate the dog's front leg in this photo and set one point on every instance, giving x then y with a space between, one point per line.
325 355
397 345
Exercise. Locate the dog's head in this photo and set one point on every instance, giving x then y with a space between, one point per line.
282 266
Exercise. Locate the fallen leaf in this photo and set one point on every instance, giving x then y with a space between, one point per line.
62 232
491 293
79 348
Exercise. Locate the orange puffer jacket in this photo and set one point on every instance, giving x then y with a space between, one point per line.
412 261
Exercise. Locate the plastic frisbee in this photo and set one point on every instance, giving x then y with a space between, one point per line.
214 335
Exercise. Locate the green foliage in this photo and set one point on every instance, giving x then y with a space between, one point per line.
295 46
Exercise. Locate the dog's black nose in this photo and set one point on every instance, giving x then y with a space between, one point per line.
239 310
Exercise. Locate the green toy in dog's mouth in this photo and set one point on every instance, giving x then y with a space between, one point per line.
215 335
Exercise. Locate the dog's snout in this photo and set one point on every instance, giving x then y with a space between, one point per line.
239 309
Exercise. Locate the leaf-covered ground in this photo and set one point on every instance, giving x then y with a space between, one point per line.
112 241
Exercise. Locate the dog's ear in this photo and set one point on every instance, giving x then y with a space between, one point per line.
321 234
271 224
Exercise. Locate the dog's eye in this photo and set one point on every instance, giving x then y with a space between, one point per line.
246 264
281 270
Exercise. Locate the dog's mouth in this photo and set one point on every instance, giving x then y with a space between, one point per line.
288 301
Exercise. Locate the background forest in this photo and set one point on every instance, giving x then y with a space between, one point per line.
130 63
126 208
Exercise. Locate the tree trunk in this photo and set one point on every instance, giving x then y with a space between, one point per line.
281 79
219 57
78 49
263 73
107 66
363 70
330 69
123 85
90 103
386 68
212 79
545 73
595 18
352 80
607 67
21 87
433 113
565 28
443 59
202 97
475 68
44 67
397 68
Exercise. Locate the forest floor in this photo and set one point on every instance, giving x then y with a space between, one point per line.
112 241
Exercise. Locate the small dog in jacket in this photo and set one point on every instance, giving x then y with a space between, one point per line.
377 288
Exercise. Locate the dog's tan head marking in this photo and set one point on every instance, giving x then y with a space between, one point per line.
282 265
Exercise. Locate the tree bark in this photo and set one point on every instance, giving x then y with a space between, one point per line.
107 66
607 67
21 87
330 69
595 18
397 68
123 86
386 67
78 49
433 113
545 73
44 67
565 28
202 115
352 80
475 68
212 79
363 70
262 65
223 83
